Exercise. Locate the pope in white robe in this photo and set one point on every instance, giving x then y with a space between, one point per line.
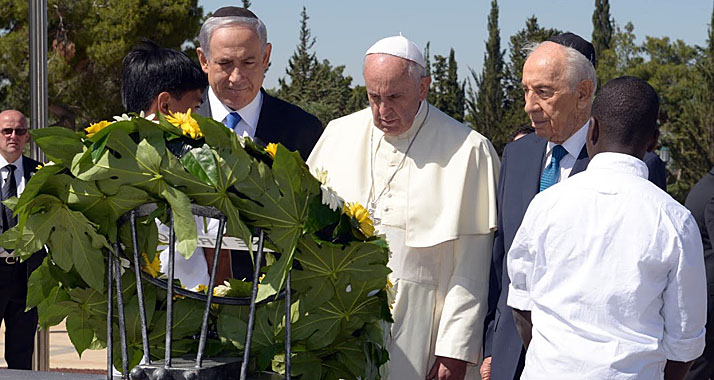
430 185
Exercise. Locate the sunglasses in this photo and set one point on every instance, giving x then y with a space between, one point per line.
18 131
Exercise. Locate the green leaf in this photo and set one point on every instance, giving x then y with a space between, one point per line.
39 284
184 225
304 364
36 183
61 247
188 315
59 144
201 163
56 307
79 331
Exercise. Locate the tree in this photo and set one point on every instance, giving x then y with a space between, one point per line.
87 41
246 4
514 104
602 27
447 93
486 103
316 86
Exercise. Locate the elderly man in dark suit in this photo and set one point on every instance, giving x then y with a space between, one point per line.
15 170
700 201
235 53
559 83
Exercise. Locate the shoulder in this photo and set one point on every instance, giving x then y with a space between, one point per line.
362 116
289 111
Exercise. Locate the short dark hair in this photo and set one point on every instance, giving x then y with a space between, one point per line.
150 69
522 130
626 110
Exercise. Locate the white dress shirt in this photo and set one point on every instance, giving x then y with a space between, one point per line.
613 271
573 145
249 114
19 171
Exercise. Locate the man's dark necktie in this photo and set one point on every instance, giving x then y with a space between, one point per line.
552 171
9 190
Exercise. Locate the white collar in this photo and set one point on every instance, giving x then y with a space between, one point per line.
619 162
249 114
18 165
575 143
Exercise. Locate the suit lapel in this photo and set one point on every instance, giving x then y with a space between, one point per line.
29 168
264 131
530 167
581 163
205 108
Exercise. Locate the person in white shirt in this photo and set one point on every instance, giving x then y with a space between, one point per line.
607 270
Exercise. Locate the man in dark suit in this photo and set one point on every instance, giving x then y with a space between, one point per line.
235 53
559 84
700 202
16 170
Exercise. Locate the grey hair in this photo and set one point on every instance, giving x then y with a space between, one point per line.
578 67
215 23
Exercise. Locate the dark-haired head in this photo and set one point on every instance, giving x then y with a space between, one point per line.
521 131
160 79
624 118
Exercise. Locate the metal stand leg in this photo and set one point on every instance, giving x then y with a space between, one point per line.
110 316
251 313
120 311
170 292
288 324
211 282
140 291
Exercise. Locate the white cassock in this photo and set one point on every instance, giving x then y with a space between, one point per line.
438 213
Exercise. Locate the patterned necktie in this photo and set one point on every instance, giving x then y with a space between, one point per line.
232 120
9 190
552 171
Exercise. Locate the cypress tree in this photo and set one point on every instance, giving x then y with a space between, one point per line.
486 102
602 27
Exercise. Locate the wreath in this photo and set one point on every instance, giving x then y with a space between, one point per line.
72 204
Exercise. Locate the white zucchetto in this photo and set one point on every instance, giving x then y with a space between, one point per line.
398 46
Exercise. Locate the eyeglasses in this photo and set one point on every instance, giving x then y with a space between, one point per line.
18 131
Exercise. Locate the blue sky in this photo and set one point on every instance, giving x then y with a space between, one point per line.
345 29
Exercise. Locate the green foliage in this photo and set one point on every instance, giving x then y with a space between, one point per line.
602 27
339 302
87 40
447 94
318 87
486 103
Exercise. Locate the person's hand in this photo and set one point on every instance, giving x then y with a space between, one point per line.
486 369
447 369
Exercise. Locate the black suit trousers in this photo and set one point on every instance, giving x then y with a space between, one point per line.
20 326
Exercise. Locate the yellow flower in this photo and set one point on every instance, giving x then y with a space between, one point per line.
359 213
200 288
96 127
188 125
272 149
152 268
39 166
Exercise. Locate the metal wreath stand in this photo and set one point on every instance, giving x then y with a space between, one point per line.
185 368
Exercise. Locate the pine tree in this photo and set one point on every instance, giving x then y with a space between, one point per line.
302 66
316 86
486 102
514 115
246 4
602 27
446 93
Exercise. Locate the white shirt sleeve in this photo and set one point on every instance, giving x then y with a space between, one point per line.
685 296
520 263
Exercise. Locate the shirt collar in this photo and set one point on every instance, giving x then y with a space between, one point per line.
17 163
619 162
575 143
250 113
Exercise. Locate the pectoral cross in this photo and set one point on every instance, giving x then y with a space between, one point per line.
372 207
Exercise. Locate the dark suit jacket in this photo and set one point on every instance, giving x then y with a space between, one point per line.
700 202
280 122
519 182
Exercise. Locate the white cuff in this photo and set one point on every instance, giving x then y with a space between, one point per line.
519 299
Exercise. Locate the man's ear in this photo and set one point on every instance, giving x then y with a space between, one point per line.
424 83
202 60
266 55
655 140
585 93
594 131
162 102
